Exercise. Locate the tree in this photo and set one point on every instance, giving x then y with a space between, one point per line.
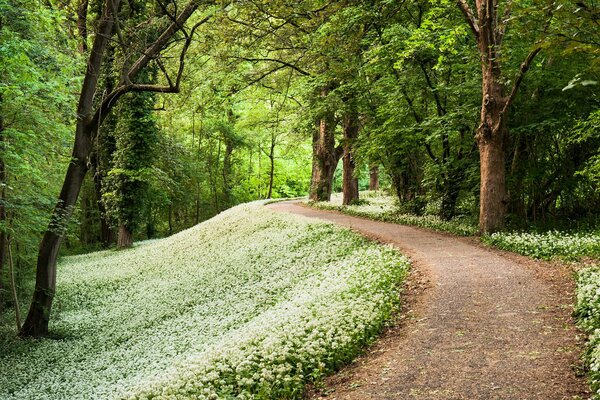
488 28
128 181
91 112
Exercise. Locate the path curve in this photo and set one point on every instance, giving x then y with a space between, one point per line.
486 327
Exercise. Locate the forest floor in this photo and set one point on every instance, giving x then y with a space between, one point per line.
477 323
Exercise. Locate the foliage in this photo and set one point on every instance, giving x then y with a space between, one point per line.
249 304
383 208
547 245
127 183
38 68
587 311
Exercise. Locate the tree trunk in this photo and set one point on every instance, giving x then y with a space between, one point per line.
374 177
107 233
325 159
227 189
488 29
349 179
491 137
3 235
125 238
272 169
36 324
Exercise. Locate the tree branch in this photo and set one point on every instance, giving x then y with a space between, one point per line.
469 16
155 48
285 63
522 71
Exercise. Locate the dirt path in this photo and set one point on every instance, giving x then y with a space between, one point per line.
486 326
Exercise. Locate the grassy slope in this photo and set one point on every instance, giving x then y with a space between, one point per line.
246 303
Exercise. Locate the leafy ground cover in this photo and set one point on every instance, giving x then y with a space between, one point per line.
548 245
249 304
587 310
382 207
544 245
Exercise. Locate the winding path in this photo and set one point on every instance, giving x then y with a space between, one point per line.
486 326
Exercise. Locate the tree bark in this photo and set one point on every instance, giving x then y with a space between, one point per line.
374 177
90 117
349 179
3 235
125 238
325 156
488 29
272 167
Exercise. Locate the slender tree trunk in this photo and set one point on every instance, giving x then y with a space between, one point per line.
13 285
90 117
36 324
272 167
374 177
125 238
3 221
107 233
349 179
227 189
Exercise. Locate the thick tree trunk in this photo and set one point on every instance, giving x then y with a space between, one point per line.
491 138
125 238
374 177
325 159
349 179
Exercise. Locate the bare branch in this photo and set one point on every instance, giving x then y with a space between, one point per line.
469 16
154 49
285 63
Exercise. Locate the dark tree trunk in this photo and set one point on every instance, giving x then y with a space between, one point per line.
452 185
374 177
349 179
36 324
82 11
107 233
89 120
125 238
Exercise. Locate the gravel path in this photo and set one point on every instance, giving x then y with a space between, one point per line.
485 325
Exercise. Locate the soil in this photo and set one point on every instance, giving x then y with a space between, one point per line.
476 324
